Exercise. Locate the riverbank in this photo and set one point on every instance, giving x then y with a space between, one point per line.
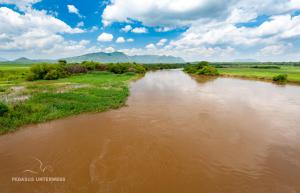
292 72
44 100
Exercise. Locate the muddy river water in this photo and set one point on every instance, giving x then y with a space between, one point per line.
177 134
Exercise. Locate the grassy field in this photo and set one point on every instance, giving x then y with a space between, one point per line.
293 72
39 101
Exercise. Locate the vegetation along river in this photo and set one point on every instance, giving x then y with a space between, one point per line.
177 134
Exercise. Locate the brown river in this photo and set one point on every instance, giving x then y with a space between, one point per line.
176 134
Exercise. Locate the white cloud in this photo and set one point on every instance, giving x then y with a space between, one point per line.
120 40
73 9
150 46
94 28
80 24
166 12
162 42
274 49
21 4
139 30
35 33
105 37
109 49
164 29
127 28
174 13
130 40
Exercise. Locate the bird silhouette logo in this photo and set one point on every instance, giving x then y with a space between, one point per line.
42 168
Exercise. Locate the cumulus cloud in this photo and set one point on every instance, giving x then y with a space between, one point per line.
80 24
105 37
109 49
214 27
274 49
130 40
35 33
167 12
150 46
139 30
174 13
73 9
127 28
94 28
162 42
21 4
120 40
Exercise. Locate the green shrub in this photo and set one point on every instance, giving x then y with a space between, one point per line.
139 69
265 67
101 67
118 68
126 67
3 109
62 62
75 69
281 78
194 68
89 65
52 75
47 72
208 70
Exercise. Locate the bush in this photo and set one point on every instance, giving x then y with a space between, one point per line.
101 67
75 69
3 109
62 62
126 67
266 67
118 68
192 69
139 69
281 78
52 75
47 72
208 70
89 65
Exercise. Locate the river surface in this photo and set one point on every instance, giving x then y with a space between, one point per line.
177 134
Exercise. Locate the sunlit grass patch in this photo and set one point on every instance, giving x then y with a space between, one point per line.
48 100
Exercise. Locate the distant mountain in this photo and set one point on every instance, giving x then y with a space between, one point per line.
245 60
2 59
115 57
103 57
150 59
24 60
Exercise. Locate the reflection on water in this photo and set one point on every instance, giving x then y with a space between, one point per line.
176 134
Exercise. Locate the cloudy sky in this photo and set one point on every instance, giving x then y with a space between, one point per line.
216 30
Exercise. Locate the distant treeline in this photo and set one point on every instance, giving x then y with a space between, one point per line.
62 69
163 66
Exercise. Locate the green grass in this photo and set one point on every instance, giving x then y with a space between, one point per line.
48 100
13 73
293 72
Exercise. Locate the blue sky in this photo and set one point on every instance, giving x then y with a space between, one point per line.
219 30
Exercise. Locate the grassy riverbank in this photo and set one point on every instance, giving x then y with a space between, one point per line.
43 100
292 72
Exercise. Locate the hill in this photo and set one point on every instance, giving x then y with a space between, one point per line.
103 57
115 57
2 59
154 59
